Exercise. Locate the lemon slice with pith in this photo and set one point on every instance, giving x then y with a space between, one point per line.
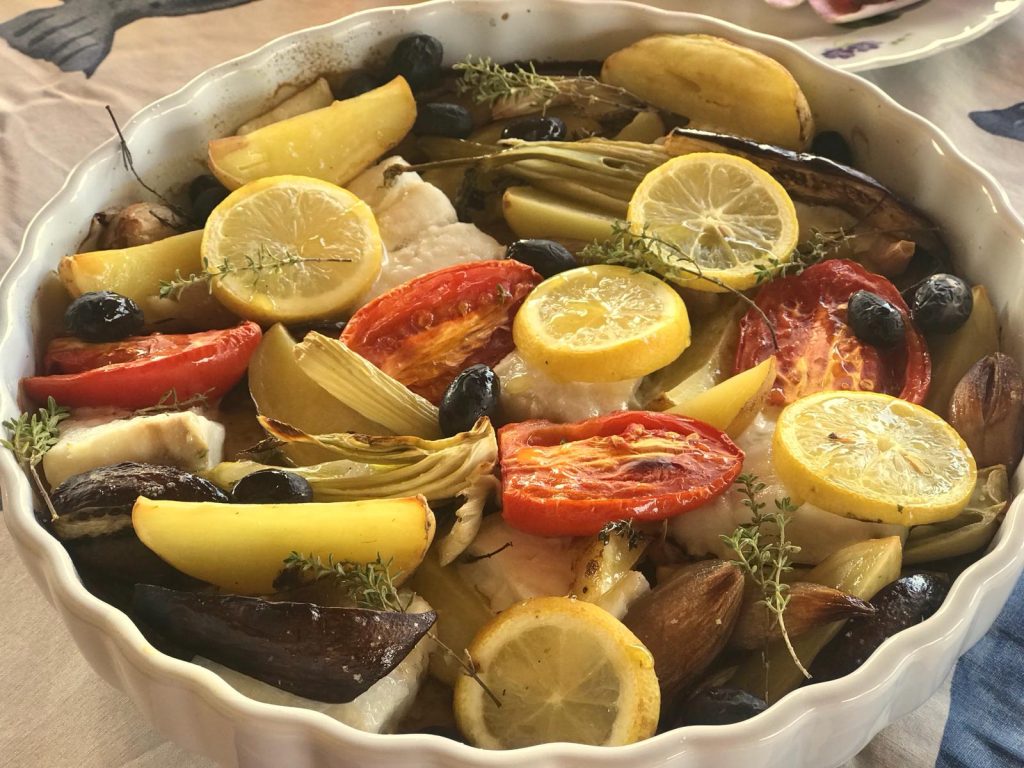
601 323
719 213
291 249
873 457
563 670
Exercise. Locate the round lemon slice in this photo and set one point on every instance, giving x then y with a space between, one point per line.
601 323
873 457
563 670
291 249
719 212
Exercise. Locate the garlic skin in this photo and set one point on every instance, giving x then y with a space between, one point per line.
987 409
810 605
137 224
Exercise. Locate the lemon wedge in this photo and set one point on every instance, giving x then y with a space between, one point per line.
873 457
601 323
719 212
291 249
563 670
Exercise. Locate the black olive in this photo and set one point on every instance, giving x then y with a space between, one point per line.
359 82
206 201
442 119
719 706
200 184
472 394
103 316
326 327
417 58
898 605
942 303
833 146
272 486
874 320
536 128
546 256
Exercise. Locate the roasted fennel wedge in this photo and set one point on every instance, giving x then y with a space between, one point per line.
373 467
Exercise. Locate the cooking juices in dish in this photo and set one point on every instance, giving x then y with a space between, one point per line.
525 407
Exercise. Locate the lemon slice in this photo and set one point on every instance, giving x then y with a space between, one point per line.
718 211
873 457
563 670
601 323
291 249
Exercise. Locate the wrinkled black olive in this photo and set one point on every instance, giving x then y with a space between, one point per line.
942 303
472 394
327 328
546 256
832 145
719 706
272 486
206 201
359 82
901 604
103 316
442 119
536 128
417 58
200 184
874 320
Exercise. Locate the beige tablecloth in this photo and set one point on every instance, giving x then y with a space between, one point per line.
53 710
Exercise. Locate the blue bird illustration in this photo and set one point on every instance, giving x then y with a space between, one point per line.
1007 122
77 35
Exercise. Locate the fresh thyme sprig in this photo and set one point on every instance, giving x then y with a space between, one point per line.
766 558
488 82
624 528
370 586
649 253
169 401
822 245
30 436
266 261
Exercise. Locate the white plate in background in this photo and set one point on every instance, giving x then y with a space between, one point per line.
911 33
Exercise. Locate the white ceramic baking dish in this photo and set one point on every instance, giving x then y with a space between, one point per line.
814 727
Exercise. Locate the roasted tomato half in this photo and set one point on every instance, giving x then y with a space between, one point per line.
425 331
138 371
818 351
572 479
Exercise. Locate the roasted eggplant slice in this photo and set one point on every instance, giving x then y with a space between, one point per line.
325 654
99 502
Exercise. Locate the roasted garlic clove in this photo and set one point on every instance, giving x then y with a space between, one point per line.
809 606
139 224
686 620
987 409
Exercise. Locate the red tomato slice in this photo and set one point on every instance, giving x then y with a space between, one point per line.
571 479
137 372
818 351
425 331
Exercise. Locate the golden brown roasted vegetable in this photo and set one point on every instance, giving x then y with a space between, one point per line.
686 621
987 409
810 605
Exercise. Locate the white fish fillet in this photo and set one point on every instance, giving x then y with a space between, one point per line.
818 533
419 228
184 439
527 393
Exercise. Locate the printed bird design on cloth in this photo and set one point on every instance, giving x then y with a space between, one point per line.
77 35
1007 122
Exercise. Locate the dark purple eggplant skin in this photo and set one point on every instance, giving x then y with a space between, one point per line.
325 654
107 494
899 605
